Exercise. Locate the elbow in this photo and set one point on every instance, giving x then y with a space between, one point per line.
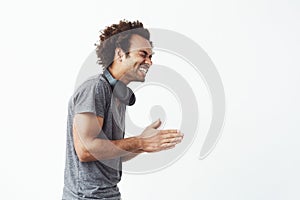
82 152
84 155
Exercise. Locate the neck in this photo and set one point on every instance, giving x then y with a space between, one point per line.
117 74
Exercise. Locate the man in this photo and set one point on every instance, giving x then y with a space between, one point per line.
96 146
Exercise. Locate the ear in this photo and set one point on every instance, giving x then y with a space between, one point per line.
119 53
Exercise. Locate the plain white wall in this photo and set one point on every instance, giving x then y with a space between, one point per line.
254 45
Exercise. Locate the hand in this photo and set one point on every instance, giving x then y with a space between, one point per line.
154 140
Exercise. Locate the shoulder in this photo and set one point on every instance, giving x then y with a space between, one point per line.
94 83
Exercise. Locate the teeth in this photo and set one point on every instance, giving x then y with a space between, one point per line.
144 70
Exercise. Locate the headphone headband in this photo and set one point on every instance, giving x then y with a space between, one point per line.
112 81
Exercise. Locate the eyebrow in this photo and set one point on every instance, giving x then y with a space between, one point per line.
151 54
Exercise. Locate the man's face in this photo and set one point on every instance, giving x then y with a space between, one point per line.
138 62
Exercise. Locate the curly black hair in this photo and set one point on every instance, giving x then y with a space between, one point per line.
121 33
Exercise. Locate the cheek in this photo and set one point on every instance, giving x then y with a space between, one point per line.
135 64
128 64
139 61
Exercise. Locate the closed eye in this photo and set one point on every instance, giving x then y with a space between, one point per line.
144 54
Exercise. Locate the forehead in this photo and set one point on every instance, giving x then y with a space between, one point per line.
139 43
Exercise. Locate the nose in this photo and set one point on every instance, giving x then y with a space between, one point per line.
148 61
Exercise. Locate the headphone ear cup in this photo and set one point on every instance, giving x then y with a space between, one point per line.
132 97
124 93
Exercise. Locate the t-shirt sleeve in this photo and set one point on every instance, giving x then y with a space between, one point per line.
90 98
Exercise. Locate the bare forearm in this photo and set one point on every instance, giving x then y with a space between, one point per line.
99 149
89 147
131 155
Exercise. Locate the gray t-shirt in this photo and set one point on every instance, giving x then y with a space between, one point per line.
97 179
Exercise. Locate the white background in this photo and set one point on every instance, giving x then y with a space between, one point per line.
254 45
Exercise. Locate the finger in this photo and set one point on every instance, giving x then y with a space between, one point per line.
170 131
171 147
168 145
175 140
172 135
155 124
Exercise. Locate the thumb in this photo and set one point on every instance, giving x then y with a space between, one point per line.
155 124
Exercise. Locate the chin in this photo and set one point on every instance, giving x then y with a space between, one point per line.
140 80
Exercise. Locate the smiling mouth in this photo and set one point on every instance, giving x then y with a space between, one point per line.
144 69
